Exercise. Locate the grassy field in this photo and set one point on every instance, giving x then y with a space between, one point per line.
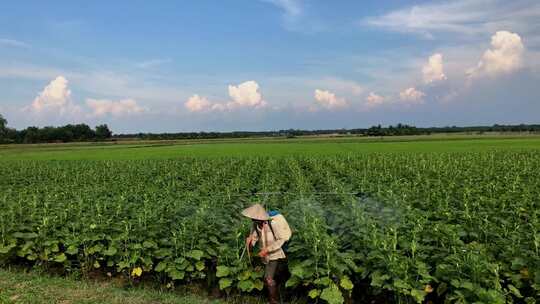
267 147
17 286
397 220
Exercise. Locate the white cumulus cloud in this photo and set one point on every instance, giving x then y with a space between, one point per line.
245 95
412 96
197 104
329 100
504 56
433 70
101 107
55 97
373 100
55 94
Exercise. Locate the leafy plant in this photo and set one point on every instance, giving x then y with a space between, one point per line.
454 227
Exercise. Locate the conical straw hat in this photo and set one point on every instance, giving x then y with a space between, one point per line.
256 212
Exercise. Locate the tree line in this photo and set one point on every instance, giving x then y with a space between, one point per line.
67 133
402 129
397 130
82 132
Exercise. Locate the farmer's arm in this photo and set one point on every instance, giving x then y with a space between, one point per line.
252 238
282 232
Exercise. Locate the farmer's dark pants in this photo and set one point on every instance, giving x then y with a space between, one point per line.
274 268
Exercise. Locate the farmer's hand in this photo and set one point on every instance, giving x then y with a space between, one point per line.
263 253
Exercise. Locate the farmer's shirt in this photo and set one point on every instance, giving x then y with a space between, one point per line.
267 240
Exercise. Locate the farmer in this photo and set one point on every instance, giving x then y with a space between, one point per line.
272 231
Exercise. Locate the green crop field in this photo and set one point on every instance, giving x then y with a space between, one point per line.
268 147
407 221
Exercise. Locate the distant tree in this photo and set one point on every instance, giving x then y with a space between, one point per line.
82 132
103 132
3 123
31 135
3 128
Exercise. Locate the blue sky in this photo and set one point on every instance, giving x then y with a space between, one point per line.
269 64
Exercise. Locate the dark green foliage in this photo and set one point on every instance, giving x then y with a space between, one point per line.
67 133
3 123
103 132
3 129
6 134
456 227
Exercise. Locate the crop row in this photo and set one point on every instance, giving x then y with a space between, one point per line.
444 227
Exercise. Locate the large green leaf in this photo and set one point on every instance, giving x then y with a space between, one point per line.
346 283
110 251
378 279
314 293
518 263
176 274
324 281
162 253
25 235
196 254
222 271
94 249
160 266
292 282
418 295
60 258
332 295
258 284
7 248
199 265
211 251
514 291
224 283
149 244
401 285
244 275
246 285
298 271
72 250
123 265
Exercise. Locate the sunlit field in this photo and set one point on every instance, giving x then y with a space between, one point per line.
267 147
407 221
